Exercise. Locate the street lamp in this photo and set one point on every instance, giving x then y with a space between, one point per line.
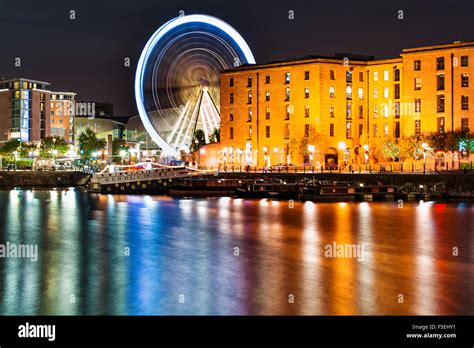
425 149
366 154
265 158
311 149
342 147
239 154
15 153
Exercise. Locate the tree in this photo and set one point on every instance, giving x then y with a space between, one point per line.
25 149
466 144
215 136
458 140
390 149
10 146
117 146
88 143
54 143
301 147
293 147
199 139
411 147
437 141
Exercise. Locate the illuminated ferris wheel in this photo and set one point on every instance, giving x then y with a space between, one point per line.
177 78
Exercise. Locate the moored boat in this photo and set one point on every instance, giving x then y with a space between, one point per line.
148 178
272 188
204 187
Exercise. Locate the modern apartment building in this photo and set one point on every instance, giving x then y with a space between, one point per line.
29 111
24 109
325 110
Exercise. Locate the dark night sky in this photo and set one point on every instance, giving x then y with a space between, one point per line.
86 55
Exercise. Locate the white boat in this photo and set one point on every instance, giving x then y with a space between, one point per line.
139 178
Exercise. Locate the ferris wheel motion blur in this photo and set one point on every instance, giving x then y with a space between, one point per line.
177 79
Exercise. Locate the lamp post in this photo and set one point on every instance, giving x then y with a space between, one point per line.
425 149
366 155
342 147
15 153
311 150
265 158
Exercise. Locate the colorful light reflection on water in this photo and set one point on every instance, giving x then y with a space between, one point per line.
140 255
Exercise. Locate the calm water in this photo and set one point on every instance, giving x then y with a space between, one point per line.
137 255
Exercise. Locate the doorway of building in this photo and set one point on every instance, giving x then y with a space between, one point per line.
330 161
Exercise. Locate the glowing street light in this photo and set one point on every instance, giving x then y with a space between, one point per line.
239 154
425 150
366 153
311 150
342 146
266 158
15 153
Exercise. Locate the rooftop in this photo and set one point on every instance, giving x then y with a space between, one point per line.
22 79
454 44
336 58
65 93
355 59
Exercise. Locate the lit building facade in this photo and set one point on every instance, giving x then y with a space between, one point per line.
30 112
437 82
62 115
333 110
24 110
